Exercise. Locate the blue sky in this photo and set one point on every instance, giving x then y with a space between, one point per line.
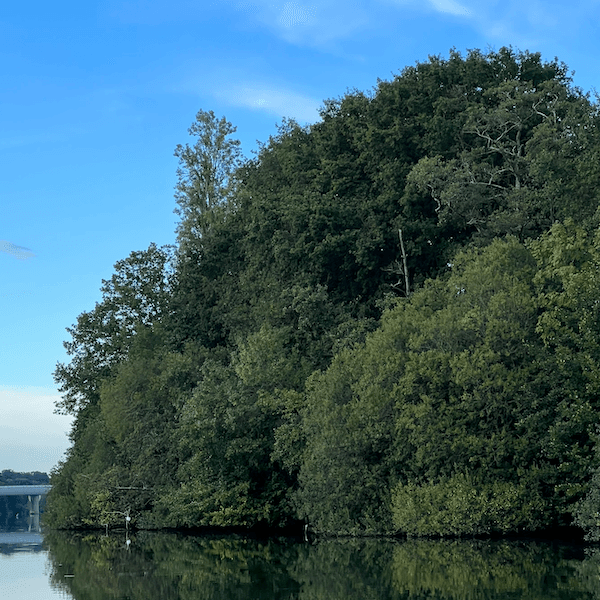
96 95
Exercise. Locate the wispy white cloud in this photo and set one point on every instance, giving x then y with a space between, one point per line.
324 23
271 99
252 86
17 251
308 23
294 14
451 7
526 24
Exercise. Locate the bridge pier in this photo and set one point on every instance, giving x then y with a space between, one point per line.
34 512
34 503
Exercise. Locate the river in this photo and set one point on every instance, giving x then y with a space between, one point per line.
165 566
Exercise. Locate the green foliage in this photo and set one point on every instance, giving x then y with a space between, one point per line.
569 288
272 368
507 178
458 379
430 391
70 500
344 470
136 295
227 432
460 505
587 510
126 447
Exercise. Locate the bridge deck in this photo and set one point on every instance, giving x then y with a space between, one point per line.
24 490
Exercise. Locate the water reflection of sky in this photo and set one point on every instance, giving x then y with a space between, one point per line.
15 541
24 576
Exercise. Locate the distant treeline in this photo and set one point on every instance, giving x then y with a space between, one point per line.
385 322
8 477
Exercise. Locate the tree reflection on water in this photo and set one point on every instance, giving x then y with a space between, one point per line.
167 566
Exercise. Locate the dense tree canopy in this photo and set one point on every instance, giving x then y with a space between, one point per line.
382 322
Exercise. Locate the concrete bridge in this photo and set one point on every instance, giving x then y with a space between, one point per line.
35 493
24 490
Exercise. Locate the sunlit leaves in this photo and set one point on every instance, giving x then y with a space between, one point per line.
206 183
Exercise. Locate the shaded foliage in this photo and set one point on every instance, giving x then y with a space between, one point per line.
277 366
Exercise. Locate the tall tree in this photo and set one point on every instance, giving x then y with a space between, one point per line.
206 179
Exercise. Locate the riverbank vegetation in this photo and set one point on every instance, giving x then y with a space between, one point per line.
385 322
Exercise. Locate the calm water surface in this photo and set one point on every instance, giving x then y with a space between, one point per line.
153 566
